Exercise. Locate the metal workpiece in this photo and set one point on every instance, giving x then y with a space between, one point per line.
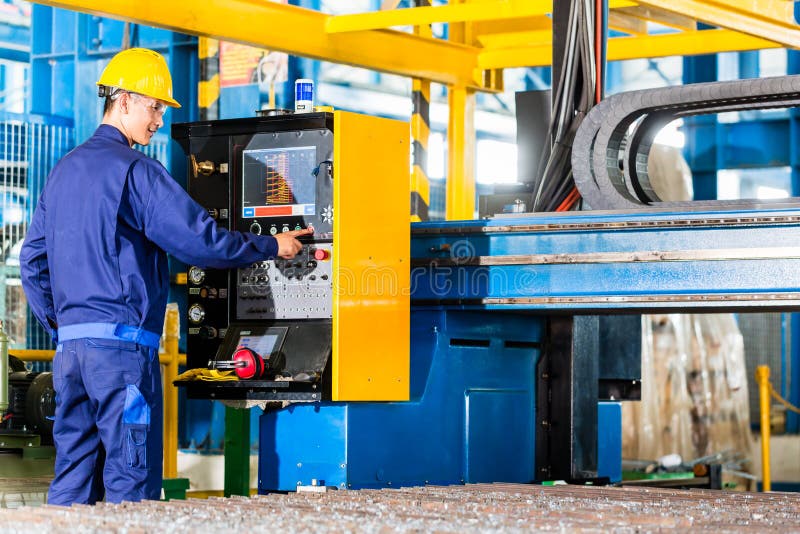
471 508
735 257
612 145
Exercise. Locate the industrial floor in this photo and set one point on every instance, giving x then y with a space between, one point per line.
471 508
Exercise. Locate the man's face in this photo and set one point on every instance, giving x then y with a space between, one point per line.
143 117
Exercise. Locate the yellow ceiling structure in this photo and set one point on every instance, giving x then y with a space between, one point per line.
501 33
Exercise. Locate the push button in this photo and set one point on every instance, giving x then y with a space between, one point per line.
321 254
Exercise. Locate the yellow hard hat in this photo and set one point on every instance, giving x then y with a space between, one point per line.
140 70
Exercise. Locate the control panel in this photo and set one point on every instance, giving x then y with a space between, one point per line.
274 324
300 288
265 176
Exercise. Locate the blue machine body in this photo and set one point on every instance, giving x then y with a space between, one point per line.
482 292
606 261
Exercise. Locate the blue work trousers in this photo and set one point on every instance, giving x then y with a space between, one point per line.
108 423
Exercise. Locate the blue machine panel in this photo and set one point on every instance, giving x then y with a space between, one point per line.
470 418
302 443
492 433
609 440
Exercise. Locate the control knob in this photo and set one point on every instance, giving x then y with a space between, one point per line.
208 332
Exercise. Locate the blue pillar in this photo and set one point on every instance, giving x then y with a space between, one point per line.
614 79
792 419
749 64
701 132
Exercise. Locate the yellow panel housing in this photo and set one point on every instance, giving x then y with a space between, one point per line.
371 250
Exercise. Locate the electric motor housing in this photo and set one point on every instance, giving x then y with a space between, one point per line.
31 404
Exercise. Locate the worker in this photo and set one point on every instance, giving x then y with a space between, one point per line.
94 269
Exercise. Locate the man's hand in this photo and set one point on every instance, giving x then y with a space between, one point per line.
288 245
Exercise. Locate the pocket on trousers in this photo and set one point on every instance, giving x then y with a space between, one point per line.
136 410
135 422
116 344
136 445
113 368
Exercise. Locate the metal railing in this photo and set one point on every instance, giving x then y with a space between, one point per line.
30 145
765 393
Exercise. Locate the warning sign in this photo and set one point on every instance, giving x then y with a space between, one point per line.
242 65
237 63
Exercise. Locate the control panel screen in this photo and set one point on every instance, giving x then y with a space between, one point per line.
263 345
279 182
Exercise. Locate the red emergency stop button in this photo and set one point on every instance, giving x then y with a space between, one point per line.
321 254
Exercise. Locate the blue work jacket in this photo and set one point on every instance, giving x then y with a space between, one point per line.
96 249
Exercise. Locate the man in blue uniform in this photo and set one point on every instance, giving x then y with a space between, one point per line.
94 269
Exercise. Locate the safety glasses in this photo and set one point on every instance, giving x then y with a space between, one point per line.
153 105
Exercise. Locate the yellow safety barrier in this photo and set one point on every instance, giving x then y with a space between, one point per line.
762 377
171 336
765 391
170 360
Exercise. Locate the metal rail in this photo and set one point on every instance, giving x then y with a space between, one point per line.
552 224
617 257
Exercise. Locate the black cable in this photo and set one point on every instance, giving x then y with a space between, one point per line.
573 97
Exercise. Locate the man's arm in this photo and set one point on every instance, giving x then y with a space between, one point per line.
35 272
180 226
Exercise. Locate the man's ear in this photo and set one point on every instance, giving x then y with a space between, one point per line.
124 102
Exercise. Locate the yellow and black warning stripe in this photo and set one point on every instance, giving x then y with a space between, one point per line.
208 87
420 132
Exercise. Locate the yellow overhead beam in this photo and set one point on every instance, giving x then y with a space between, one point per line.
767 19
659 16
454 12
619 48
684 44
626 23
301 32
509 40
276 26
521 24
782 10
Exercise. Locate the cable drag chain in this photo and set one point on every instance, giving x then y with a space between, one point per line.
622 127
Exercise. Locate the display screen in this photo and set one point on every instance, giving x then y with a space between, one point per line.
263 345
279 182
